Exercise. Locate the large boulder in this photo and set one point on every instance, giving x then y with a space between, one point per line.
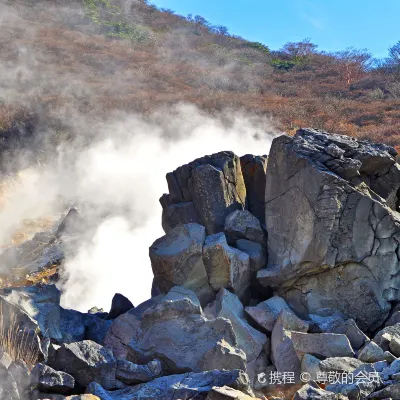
48 380
177 260
175 331
86 361
226 266
250 340
183 387
119 305
213 184
33 307
132 374
333 229
241 224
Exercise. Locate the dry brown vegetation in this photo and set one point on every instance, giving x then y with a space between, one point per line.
93 57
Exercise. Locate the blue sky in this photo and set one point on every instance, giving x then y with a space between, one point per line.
331 24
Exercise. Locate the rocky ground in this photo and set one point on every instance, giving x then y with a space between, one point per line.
277 277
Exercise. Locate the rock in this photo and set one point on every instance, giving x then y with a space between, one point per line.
258 366
72 326
119 305
177 260
283 353
389 371
385 336
72 224
8 386
226 266
96 328
20 372
327 320
175 331
254 170
394 346
340 201
256 252
371 352
227 393
214 184
356 336
184 387
393 319
132 374
322 344
241 224
311 365
46 379
86 361
312 391
174 215
33 307
340 364
391 391
266 313
249 339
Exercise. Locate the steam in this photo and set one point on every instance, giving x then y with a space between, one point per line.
114 171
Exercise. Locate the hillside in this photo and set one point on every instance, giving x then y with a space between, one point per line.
64 60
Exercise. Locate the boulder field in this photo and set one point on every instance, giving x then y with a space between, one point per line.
278 277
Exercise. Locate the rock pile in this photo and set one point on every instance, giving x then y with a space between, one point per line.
271 280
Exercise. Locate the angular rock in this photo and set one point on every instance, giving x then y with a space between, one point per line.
48 380
394 346
241 224
183 387
72 224
322 344
254 169
328 321
177 260
174 215
214 184
8 386
283 353
256 252
266 313
86 361
311 365
393 319
258 366
356 336
20 372
119 305
389 392
340 201
384 336
227 393
340 364
371 352
33 307
312 391
226 266
72 326
132 374
248 339
175 331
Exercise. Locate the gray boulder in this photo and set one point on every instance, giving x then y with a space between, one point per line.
340 364
226 266
241 224
175 331
227 393
313 391
265 314
174 215
389 392
183 387
48 380
215 186
311 365
355 335
283 354
119 305
8 386
371 352
86 361
321 344
132 374
254 169
33 307
250 340
340 188
177 260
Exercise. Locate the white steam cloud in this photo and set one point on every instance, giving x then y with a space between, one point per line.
118 179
